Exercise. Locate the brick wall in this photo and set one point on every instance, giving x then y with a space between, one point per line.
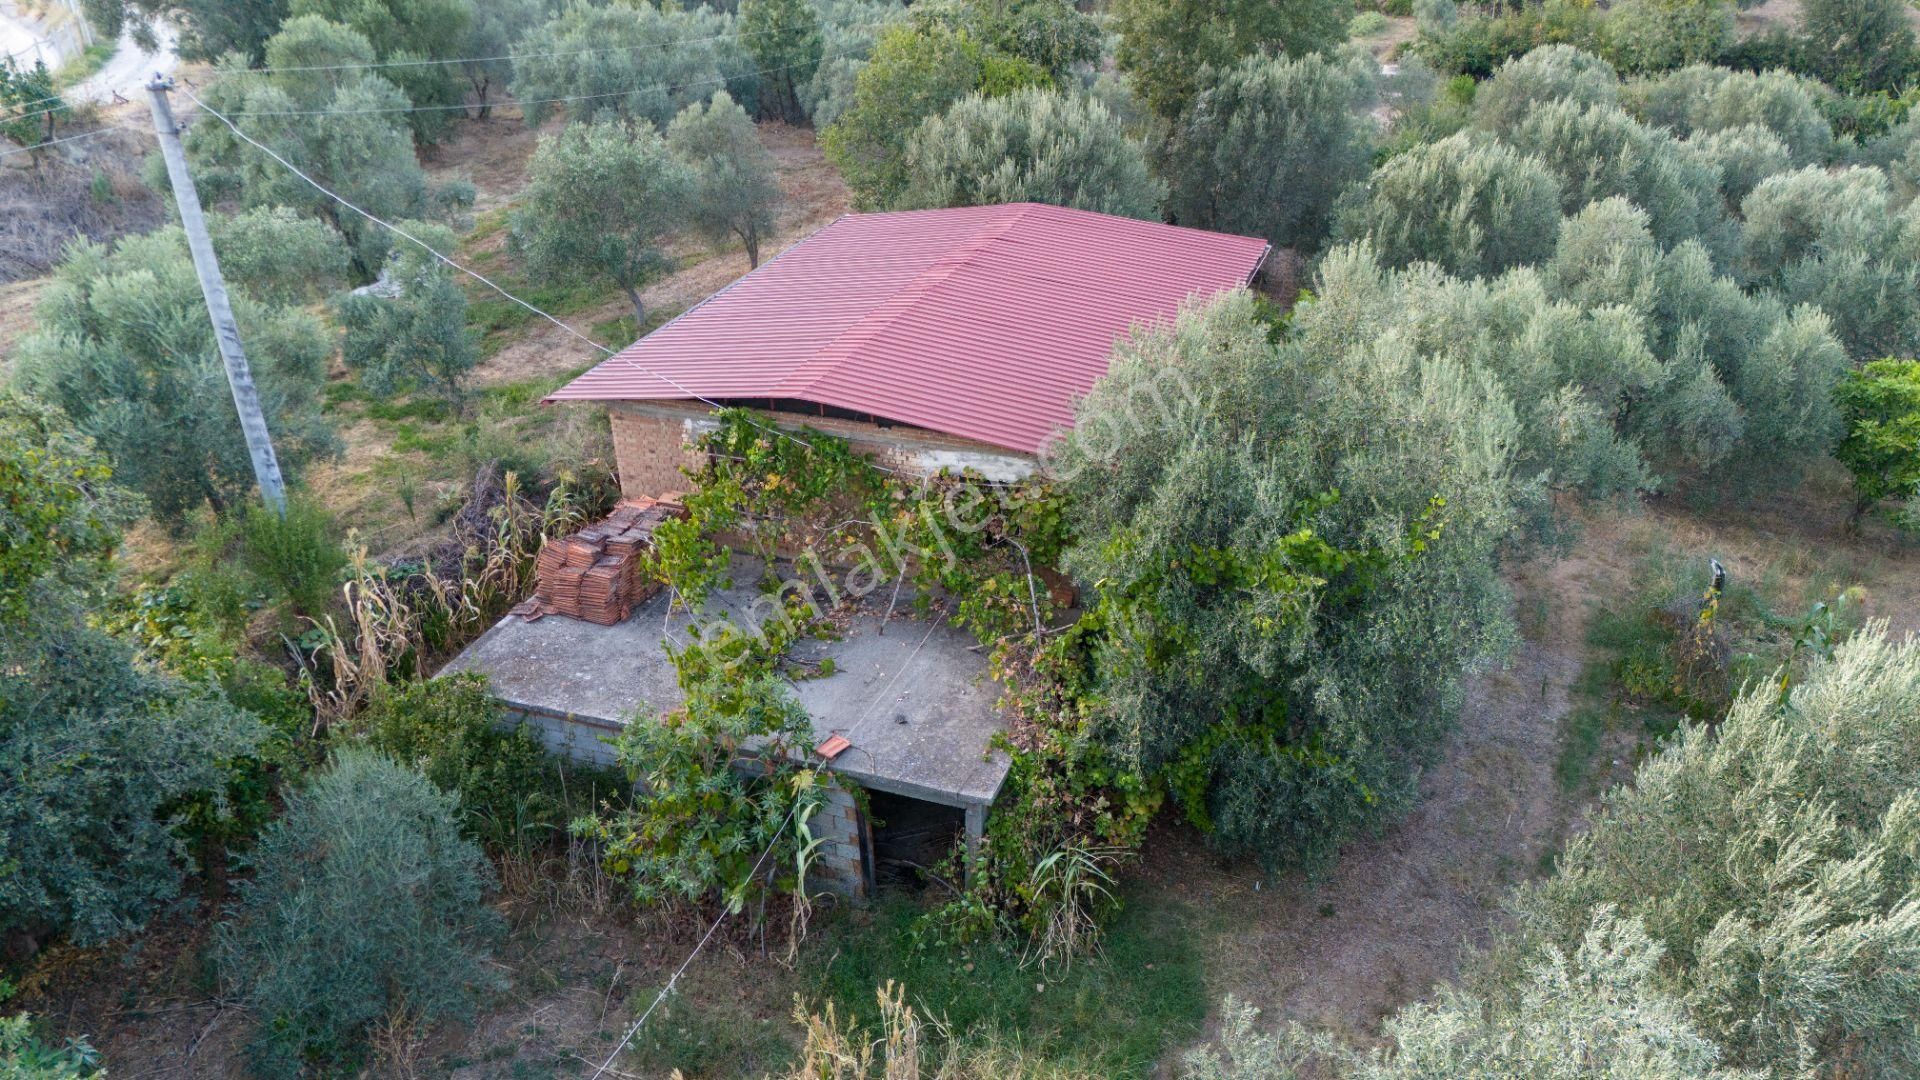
649 445
651 450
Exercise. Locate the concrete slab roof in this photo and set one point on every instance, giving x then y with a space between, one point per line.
912 696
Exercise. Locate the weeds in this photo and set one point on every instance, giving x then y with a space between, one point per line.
395 620
1071 891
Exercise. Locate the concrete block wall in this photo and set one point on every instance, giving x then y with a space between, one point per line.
570 737
650 440
840 864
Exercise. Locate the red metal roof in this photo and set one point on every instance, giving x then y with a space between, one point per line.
985 322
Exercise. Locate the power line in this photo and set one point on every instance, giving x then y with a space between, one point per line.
476 275
66 139
378 65
31 115
717 80
41 101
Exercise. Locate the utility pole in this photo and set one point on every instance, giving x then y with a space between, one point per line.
246 400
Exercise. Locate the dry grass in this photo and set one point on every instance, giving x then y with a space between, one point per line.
17 301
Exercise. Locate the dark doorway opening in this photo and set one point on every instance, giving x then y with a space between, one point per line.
911 837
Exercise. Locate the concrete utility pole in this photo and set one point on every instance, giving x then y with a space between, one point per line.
246 400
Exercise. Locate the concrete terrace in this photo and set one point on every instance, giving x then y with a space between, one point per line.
910 694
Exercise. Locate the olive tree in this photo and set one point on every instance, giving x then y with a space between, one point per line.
1574 373
407 32
1746 378
735 193
1745 155
1599 151
412 334
1771 855
1165 45
1658 35
916 72
1860 46
1703 99
632 61
1052 35
1034 145
1547 74
98 754
1597 1013
345 129
124 346
1835 240
1269 145
785 40
850 29
1294 555
366 904
601 197
1471 206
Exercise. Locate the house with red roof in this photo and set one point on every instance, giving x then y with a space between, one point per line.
931 339
939 339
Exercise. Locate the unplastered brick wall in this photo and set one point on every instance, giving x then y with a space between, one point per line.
650 445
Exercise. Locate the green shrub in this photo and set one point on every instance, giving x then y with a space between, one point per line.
366 904
98 754
1880 413
449 729
1366 24
297 556
418 337
23 1056
916 72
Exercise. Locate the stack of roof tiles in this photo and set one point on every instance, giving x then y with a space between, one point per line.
596 574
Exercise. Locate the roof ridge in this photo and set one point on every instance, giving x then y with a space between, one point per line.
869 326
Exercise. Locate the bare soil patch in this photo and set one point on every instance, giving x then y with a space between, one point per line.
89 188
492 153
